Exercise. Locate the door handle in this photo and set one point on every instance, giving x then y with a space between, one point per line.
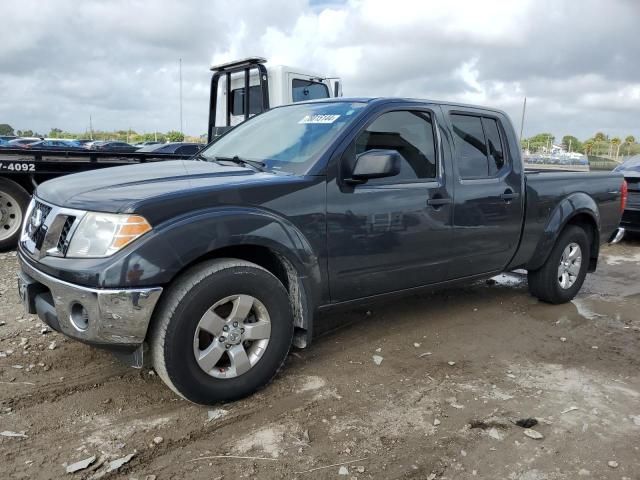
509 195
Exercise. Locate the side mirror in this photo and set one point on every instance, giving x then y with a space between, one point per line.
376 164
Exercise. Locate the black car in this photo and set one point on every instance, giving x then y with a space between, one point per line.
4 139
631 216
220 265
114 147
53 145
178 148
21 142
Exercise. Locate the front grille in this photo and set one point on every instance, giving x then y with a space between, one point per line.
37 229
49 229
63 244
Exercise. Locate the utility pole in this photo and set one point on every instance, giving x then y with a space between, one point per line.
524 108
90 127
180 96
570 140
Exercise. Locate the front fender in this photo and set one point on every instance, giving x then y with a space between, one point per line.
568 208
177 243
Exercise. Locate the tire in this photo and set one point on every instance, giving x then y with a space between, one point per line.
14 201
178 331
546 282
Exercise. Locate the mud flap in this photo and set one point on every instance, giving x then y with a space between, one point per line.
133 359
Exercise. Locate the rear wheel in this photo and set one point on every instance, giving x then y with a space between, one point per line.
14 201
562 275
222 332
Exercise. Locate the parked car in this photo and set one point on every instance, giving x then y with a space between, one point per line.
146 144
180 148
22 142
53 145
113 146
222 264
631 216
5 139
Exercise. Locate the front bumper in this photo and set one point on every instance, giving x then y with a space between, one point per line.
117 318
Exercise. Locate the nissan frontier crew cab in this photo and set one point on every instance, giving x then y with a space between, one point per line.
220 263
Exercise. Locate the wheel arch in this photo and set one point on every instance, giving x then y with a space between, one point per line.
250 234
284 269
577 209
22 180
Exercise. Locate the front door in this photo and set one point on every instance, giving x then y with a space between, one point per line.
391 233
487 217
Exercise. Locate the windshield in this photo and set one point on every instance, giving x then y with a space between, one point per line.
286 138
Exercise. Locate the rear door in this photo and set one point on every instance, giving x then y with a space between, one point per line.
488 209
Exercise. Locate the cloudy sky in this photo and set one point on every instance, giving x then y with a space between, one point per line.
577 61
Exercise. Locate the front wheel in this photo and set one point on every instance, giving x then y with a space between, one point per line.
562 275
222 331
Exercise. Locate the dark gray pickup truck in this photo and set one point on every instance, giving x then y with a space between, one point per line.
220 263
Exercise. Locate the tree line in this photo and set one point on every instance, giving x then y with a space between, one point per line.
129 136
600 144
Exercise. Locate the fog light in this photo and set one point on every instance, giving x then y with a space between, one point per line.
79 316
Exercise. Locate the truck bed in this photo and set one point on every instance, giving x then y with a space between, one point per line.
546 190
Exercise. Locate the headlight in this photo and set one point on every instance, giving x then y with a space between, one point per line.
103 234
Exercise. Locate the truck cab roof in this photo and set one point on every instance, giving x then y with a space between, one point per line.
409 100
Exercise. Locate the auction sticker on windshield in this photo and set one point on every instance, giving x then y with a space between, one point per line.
319 118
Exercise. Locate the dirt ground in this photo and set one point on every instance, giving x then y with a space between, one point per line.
423 388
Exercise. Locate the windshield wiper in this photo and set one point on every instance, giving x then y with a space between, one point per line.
257 165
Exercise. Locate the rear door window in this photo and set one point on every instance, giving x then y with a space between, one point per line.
479 149
308 90
471 149
494 145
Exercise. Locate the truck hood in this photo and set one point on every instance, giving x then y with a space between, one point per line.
130 188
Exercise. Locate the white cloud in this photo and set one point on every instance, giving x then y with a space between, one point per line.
118 60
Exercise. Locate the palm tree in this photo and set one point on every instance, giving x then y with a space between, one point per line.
588 146
630 140
598 138
616 142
